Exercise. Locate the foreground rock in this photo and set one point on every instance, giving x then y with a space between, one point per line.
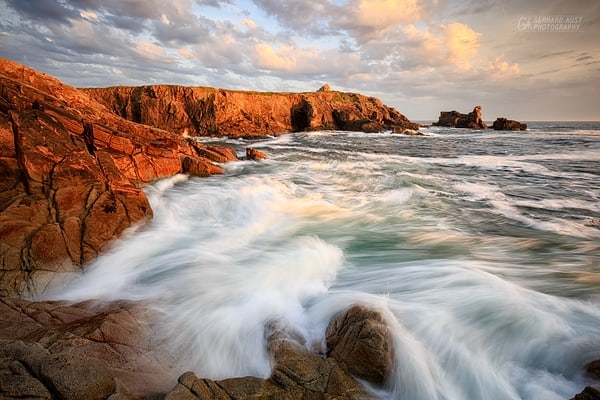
454 119
71 176
503 124
360 341
198 111
57 350
301 374
589 393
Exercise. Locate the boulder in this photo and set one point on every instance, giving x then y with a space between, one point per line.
593 369
324 88
404 131
361 342
302 374
454 119
253 154
503 124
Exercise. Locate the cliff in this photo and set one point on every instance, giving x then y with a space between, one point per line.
198 111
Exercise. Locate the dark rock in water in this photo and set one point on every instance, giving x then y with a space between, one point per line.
454 119
361 344
360 341
593 369
253 154
405 131
589 393
503 124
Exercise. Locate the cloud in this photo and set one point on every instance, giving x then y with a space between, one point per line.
248 23
462 44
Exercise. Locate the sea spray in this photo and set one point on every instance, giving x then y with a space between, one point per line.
477 248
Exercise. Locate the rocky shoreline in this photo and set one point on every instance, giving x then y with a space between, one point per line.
73 165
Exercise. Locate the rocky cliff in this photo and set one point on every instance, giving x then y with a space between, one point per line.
198 111
71 176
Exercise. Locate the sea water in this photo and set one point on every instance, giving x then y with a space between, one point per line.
480 248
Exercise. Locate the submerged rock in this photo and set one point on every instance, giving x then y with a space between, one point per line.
503 124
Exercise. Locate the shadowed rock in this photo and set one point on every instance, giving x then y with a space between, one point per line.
503 124
454 119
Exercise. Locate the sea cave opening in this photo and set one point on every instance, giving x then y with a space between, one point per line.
301 115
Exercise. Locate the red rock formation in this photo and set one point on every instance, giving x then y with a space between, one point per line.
200 111
72 172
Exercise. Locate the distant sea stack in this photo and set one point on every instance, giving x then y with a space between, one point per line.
503 124
454 119
474 120
201 111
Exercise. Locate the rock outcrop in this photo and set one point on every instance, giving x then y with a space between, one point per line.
301 374
503 124
198 111
56 350
254 154
71 176
454 119
588 393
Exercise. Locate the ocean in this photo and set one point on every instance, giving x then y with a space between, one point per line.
480 248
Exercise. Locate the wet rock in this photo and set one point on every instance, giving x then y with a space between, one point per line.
588 393
297 374
404 131
503 124
455 119
593 369
361 342
254 154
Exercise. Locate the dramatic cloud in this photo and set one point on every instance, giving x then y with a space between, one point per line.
417 55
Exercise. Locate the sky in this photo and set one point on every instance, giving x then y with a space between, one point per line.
525 60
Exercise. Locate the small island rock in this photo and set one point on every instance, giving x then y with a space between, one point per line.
504 124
